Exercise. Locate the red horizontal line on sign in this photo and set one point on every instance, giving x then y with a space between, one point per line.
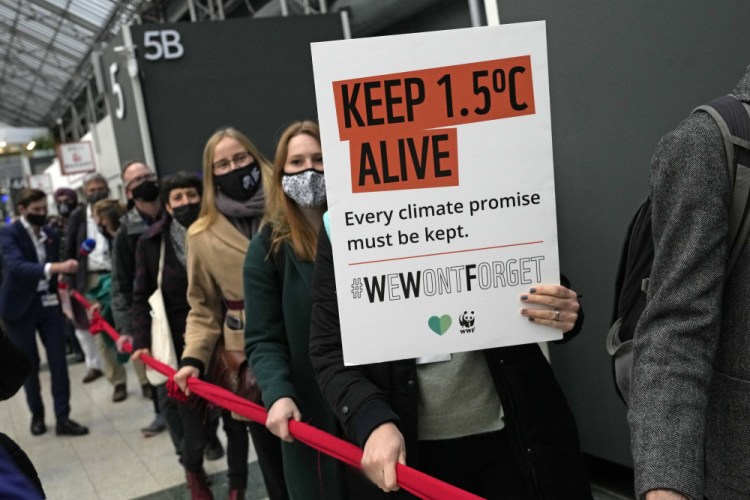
447 253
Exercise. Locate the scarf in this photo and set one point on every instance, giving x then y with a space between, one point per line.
244 215
177 235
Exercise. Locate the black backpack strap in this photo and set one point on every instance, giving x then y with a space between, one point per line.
733 119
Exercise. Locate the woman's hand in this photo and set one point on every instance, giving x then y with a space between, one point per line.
182 376
138 352
562 310
95 307
121 341
384 448
281 411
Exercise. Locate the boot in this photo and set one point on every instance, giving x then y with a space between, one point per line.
198 486
237 494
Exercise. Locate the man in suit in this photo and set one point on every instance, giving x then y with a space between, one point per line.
29 303
690 400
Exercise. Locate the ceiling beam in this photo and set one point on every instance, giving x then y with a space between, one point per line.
65 14
42 44
25 91
12 115
60 80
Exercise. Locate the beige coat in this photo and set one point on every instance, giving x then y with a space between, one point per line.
215 257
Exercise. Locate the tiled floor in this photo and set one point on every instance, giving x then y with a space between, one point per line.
114 461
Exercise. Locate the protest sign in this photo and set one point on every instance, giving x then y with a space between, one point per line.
76 157
438 155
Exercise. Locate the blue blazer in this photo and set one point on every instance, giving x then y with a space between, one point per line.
22 269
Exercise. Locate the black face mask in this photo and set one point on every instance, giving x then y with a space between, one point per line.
36 219
240 184
147 191
96 196
103 230
186 214
64 209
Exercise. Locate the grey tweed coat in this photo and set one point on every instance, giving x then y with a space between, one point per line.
690 410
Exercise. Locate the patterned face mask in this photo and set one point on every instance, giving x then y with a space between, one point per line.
307 188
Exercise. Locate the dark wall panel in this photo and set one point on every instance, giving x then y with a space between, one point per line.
622 74
253 74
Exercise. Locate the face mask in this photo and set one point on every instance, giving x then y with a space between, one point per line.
103 230
65 208
96 196
147 191
36 219
186 214
240 184
306 188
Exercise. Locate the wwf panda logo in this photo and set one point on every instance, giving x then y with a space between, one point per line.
466 319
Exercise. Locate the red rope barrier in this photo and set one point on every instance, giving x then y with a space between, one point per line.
415 482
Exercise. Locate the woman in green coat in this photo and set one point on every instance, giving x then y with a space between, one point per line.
277 276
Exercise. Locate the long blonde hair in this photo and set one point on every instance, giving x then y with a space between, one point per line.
286 219
209 212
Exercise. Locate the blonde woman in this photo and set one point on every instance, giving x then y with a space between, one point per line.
234 172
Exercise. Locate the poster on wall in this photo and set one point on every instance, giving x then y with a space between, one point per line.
441 196
76 157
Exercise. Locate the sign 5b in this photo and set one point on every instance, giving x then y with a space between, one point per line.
162 44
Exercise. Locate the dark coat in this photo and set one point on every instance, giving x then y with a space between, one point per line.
690 399
540 426
22 269
174 286
132 225
277 333
75 235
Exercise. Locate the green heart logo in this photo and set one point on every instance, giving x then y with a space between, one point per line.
440 324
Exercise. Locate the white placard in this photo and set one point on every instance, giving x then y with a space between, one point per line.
43 182
438 154
76 157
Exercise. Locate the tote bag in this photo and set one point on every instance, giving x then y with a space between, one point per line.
162 346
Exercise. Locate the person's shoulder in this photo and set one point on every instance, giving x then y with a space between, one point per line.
203 240
260 245
697 137
264 234
9 229
77 213
742 90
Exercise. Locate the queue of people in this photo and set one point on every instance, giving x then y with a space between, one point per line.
242 263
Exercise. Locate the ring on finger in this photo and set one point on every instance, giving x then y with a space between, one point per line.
557 314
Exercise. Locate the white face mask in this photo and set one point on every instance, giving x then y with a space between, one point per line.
307 188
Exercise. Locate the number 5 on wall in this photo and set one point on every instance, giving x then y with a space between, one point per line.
117 91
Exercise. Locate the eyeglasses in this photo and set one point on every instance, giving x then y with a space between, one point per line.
240 160
138 180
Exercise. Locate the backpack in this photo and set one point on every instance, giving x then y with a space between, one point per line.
733 119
